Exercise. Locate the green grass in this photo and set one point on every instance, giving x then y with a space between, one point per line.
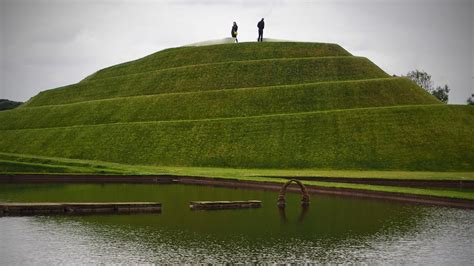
183 56
390 138
223 103
19 163
19 167
230 172
13 167
217 76
320 173
34 164
244 111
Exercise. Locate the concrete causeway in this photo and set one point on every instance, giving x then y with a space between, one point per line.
220 205
28 209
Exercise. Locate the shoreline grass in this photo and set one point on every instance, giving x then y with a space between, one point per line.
231 172
105 168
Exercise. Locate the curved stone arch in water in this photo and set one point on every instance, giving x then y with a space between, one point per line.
281 197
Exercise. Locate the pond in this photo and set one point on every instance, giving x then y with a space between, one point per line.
332 230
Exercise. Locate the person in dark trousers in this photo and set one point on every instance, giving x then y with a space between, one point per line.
233 32
260 27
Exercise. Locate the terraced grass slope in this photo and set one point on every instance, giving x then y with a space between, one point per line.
229 75
186 56
252 105
223 103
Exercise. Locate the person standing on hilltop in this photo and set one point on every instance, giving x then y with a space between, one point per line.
234 31
260 27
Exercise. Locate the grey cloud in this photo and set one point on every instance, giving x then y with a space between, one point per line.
52 43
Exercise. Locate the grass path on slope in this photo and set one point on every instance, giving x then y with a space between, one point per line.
244 102
12 167
182 56
229 75
251 173
419 138
401 107
90 167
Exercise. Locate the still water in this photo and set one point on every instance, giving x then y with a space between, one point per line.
333 229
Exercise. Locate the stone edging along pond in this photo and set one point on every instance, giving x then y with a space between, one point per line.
235 183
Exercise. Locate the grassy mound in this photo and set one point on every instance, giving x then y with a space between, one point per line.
184 56
411 137
223 103
265 105
214 77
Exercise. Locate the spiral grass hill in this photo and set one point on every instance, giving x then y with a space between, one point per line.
252 105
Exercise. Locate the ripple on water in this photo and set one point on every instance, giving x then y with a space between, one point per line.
334 230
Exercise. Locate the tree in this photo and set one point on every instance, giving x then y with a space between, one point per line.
7 104
441 93
423 80
470 101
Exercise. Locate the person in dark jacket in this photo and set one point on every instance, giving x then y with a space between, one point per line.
233 32
260 27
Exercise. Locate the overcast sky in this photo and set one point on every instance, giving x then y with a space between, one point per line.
46 44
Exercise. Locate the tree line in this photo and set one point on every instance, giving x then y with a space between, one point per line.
423 80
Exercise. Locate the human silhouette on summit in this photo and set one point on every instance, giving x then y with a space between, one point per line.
260 26
233 32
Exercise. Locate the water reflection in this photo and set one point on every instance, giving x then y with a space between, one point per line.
302 215
331 230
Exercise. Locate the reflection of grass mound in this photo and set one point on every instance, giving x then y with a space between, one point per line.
262 105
